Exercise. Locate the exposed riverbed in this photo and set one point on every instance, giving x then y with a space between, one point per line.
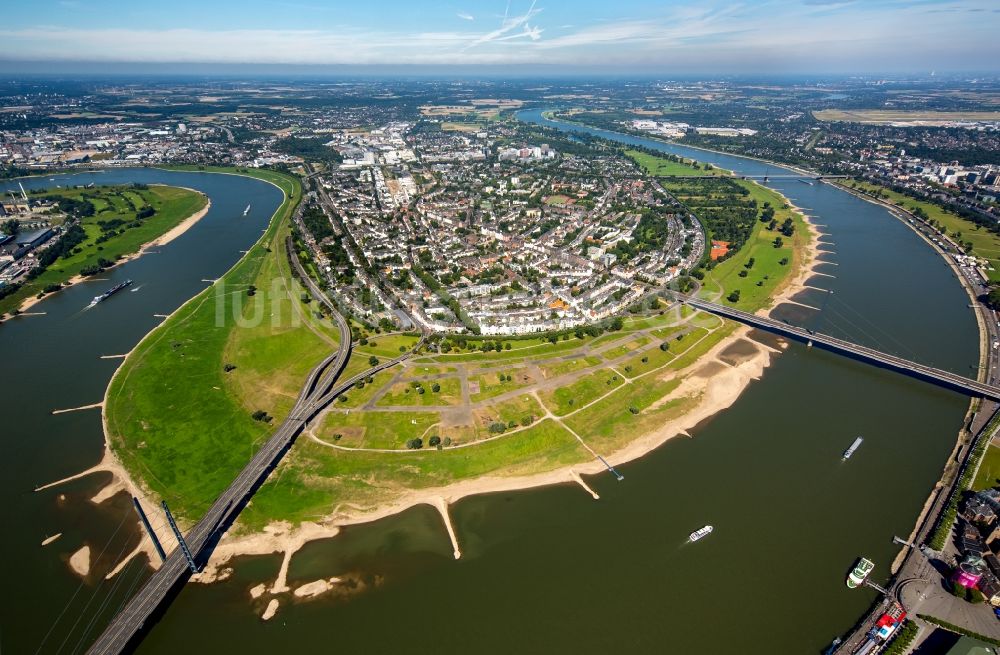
574 575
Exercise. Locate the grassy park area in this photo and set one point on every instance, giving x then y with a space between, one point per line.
102 225
180 408
665 166
176 416
770 265
989 470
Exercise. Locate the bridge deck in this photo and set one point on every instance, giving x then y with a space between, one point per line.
928 373
317 392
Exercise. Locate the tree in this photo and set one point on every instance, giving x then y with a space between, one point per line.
373 361
11 227
734 297
993 298
778 242
434 441
435 388
415 444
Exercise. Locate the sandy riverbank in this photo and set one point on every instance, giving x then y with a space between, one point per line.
161 240
714 379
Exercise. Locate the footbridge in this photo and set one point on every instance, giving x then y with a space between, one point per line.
861 353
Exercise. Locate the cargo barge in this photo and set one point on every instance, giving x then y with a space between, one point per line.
110 292
852 448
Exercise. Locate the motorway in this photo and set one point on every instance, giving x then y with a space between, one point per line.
317 392
870 355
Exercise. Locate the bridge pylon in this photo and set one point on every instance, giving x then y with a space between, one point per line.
180 539
149 530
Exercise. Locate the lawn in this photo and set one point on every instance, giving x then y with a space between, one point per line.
664 167
625 348
375 429
317 479
610 424
556 369
491 385
407 394
535 348
515 410
387 346
989 470
650 360
578 393
175 417
172 205
767 269
359 395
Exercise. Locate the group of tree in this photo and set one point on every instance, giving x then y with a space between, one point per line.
307 148
75 207
63 247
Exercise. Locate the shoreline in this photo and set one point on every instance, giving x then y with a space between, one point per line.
904 216
281 537
726 387
651 137
121 480
177 230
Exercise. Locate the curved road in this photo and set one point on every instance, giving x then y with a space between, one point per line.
317 392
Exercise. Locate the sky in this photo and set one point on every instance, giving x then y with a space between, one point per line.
626 36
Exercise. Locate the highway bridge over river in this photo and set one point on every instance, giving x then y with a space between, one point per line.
862 353
320 389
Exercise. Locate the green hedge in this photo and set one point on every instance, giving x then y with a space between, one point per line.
947 519
904 637
959 630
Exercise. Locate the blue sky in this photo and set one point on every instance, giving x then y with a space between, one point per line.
673 36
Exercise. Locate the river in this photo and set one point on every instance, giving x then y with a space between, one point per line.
53 362
547 570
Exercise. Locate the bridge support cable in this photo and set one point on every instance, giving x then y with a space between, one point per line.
79 588
119 583
97 590
857 329
180 539
845 305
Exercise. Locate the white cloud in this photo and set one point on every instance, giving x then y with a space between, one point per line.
768 36
508 24
465 16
